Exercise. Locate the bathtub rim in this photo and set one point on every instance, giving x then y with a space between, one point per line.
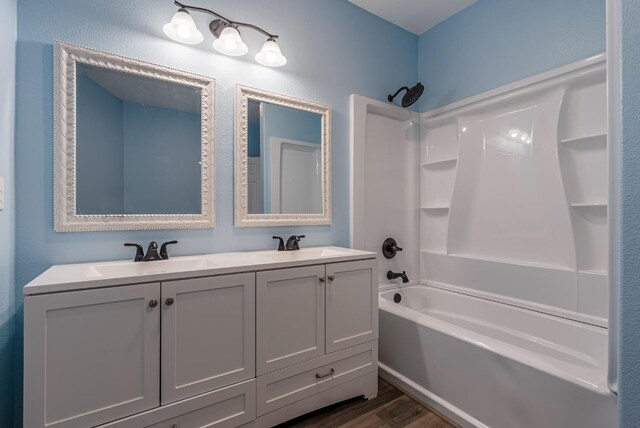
510 301
495 346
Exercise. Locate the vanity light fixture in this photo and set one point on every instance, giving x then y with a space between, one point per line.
228 41
270 54
183 29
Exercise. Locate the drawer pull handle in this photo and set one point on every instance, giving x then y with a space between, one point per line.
332 277
322 279
169 301
153 303
322 376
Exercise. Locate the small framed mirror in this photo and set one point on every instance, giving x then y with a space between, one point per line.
282 160
134 144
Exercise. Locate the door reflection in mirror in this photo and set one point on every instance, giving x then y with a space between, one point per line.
285 160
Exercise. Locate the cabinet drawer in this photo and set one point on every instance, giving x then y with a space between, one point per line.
284 387
225 408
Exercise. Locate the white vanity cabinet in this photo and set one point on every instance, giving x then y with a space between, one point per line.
208 334
235 343
295 306
91 356
290 317
304 316
99 355
352 304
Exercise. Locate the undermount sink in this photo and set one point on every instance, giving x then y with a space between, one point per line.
303 254
117 269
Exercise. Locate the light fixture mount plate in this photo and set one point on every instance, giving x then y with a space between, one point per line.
216 26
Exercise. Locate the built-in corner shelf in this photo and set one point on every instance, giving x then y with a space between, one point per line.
589 205
596 272
597 139
435 208
436 252
440 163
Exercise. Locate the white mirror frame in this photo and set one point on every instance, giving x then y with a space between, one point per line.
66 57
241 186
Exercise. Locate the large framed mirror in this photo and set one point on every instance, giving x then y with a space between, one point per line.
134 144
282 160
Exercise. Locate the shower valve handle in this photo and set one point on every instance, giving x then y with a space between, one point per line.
390 248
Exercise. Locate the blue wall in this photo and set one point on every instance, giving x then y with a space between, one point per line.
629 348
162 160
366 55
7 216
100 151
495 42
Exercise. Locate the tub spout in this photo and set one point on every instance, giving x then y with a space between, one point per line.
393 275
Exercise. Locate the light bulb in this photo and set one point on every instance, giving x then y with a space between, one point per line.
270 57
183 29
270 54
230 42
230 45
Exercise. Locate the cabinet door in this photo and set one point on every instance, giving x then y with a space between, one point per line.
352 304
290 317
91 356
208 334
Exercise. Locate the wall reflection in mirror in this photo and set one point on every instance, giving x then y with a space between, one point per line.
285 160
138 144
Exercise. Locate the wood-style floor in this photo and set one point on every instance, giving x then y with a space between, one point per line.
391 409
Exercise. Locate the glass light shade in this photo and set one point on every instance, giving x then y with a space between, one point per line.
183 29
230 43
270 55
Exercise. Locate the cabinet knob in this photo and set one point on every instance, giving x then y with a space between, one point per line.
322 279
153 303
169 301
332 277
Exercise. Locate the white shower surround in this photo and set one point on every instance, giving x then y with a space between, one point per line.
557 279
523 224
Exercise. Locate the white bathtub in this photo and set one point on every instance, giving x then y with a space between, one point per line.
487 364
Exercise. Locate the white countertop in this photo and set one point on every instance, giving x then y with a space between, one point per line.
75 277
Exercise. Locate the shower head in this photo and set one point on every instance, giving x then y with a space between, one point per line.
412 95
